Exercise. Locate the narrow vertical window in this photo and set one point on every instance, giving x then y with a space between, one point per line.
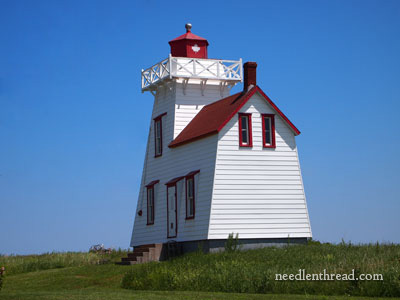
151 202
150 205
268 130
190 197
158 144
245 136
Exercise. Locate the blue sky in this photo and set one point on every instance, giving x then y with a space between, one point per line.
73 121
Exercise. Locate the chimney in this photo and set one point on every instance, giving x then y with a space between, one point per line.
250 75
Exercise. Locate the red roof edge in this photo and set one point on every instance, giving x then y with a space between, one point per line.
173 145
246 96
278 111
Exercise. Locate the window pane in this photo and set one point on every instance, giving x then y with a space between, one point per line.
245 131
190 197
267 131
157 133
150 205
244 122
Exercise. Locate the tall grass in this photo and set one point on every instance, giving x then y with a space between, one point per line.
16 264
253 271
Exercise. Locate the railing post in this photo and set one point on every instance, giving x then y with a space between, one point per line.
142 80
170 67
241 70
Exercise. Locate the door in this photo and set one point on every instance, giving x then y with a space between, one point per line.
172 213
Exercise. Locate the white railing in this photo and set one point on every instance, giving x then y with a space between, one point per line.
185 67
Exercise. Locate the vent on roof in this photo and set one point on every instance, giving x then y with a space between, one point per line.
250 75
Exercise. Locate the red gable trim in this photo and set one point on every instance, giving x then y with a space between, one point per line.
278 111
213 117
248 96
152 183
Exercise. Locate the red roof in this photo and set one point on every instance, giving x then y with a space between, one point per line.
213 117
188 36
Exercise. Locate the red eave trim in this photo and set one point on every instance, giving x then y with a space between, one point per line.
173 145
154 182
174 180
159 116
190 174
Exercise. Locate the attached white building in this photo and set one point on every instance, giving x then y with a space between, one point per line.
216 164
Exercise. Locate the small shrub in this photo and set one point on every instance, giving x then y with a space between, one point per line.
232 243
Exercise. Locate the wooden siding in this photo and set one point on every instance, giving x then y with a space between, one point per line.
187 106
258 192
199 155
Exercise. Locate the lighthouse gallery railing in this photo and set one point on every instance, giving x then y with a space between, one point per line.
185 67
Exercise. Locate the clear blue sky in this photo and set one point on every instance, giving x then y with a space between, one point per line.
73 121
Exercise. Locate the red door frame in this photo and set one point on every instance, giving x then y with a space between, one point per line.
170 184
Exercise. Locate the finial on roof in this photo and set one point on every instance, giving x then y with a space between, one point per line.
188 27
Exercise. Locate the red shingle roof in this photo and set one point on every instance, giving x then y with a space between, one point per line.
213 117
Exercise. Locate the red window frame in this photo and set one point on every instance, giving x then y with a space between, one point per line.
272 130
191 176
156 120
250 141
150 187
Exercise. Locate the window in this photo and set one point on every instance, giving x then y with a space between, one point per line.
190 194
190 198
150 202
150 205
158 135
268 130
245 138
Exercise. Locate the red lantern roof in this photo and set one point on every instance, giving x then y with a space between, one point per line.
189 45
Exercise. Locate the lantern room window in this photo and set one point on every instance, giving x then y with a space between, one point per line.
268 130
158 143
245 135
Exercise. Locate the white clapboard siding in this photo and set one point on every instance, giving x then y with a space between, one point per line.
173 163
188 104
258 193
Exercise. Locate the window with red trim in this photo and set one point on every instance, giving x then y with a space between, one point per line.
190 197
268 130
150 205
158 137
158 143
245 135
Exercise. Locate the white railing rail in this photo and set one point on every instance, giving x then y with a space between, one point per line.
185 67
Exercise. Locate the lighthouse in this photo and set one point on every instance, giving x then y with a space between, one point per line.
215 163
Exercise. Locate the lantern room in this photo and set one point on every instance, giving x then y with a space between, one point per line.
189 45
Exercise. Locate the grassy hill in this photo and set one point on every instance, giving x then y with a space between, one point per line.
199 276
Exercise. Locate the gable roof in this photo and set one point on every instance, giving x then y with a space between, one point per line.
213 117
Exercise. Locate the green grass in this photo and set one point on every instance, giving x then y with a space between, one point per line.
17 264
241 272
99 282
254 271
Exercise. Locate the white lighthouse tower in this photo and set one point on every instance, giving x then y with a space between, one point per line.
215 164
